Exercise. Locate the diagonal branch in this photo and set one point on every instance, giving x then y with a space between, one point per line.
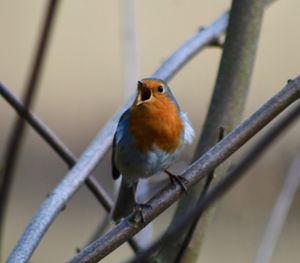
95 152
61 149
230 179
56 144
184 249
190 48
17 132
226 108
198 170
280 213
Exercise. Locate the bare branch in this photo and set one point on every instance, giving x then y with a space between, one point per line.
199 169
60 148
14 142
185 250
205 37
226 109
99 146
228 182
190 48
280 213
56 144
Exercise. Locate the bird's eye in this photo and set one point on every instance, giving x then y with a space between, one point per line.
161 89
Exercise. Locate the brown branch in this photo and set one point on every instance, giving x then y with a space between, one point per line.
61 149
56 144
226 109
185 242
100 145
230 179
17 133
199 169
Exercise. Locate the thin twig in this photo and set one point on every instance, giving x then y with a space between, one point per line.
198 170
230 179
279 213
17 133
55 143
189 49
100 145
61 149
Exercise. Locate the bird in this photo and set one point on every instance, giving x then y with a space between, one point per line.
149 138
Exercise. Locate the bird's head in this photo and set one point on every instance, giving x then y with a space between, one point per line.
151 91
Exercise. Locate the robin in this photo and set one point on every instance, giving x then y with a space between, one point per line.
149 137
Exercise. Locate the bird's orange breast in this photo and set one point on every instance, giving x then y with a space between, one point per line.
155 123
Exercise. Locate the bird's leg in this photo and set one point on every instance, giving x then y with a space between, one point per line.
177 179
138 207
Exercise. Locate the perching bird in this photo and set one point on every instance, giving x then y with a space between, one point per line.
149 138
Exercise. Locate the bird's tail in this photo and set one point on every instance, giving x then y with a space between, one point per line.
125 202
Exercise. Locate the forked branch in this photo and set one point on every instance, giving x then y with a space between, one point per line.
230 179
96 151
198 170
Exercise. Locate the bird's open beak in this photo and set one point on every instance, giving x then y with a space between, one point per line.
144 93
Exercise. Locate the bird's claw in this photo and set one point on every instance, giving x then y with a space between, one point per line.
138 215
182 181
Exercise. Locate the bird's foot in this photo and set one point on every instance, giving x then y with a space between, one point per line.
178 179
138 215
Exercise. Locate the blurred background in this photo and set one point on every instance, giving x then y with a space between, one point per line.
82 85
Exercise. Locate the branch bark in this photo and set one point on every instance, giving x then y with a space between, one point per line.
55 143
230 179
97 149
190 48
61 149
226 108
198 170
17 133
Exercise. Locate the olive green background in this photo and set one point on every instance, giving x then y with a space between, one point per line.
81 87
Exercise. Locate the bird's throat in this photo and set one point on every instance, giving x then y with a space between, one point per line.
155 125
